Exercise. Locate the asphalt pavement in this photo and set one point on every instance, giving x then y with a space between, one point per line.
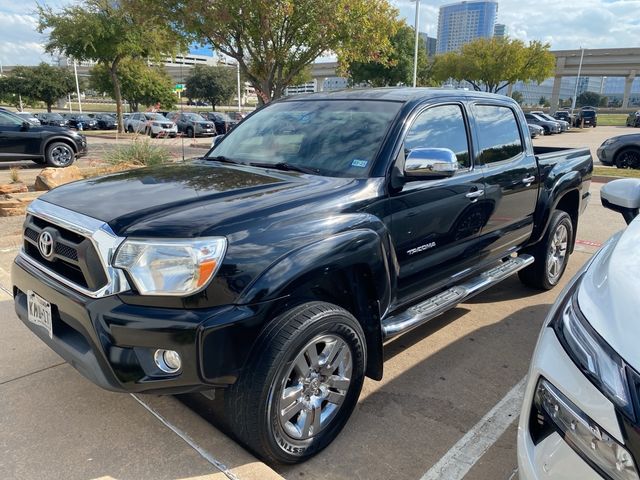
446 407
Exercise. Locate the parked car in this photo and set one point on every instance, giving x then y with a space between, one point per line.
587 116
565 115
53 119
633 120
622 151
277 266
29 117
548 126
81 121
105 121
198 103
152 124
192 124
564 126
581 413
535 130
222 121
22 140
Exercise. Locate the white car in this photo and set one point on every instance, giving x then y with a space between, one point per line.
581 414
152 124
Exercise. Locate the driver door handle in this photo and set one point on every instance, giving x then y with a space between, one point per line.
529 180
475 194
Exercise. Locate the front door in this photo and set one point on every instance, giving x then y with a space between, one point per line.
18 139
436 224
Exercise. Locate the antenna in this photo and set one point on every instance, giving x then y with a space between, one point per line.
181 104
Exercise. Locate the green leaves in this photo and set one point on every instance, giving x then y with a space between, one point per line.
43 83
494 63
213 84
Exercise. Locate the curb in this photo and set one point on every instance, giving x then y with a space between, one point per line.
603 179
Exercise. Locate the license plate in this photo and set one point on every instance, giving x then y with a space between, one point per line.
39 311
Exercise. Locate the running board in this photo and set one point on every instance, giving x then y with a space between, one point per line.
443 301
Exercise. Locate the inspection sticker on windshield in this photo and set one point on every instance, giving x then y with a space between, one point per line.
359 163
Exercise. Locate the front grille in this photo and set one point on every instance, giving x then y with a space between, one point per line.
166 125
74 256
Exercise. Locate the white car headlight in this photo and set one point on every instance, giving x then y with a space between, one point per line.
597 360
171 267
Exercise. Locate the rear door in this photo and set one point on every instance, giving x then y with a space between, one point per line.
510 175
436 224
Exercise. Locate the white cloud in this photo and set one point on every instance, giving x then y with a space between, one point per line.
565 24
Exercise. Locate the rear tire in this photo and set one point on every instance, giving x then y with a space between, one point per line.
551 254
60 154
301 384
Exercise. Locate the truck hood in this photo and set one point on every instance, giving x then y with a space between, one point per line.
187 199
609 295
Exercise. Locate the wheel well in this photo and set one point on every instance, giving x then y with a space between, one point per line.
570 203
352 289
58 140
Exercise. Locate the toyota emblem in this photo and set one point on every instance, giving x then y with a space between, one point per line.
45 244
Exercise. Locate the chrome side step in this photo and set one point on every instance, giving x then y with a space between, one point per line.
446 300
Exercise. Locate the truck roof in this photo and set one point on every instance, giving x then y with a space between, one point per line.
397 94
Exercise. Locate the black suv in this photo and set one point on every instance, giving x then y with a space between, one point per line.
54 119
55 146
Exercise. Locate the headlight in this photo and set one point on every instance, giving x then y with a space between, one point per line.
609 141
593 356
171 267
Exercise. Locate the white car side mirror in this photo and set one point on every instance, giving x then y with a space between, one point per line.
622 196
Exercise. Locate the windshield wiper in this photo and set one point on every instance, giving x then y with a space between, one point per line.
288 167
223 159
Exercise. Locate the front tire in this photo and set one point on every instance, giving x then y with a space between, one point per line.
302 383
60 154
628 158
551 254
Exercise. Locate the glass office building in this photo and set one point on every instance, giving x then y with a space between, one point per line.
460 23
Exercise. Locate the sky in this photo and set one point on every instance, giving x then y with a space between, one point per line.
565 24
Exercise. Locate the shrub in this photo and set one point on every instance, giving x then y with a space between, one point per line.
139 152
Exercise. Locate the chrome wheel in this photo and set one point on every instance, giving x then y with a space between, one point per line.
61 155
315 386
557 253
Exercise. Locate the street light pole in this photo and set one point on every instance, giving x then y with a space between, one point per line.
575 92
239 90
75 71
415 53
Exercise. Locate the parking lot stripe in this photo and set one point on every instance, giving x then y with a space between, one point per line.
201 451
457 462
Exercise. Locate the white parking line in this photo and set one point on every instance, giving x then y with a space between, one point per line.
457 462
201 451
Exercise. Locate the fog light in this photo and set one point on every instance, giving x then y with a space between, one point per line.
168 361
584 435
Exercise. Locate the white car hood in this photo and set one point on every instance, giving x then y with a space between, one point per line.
609 295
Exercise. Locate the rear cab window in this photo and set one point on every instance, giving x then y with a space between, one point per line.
498 132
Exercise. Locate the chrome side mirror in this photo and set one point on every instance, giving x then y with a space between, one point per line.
424 163
622 196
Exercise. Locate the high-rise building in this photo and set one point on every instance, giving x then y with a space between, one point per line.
460 23
430 44
500 30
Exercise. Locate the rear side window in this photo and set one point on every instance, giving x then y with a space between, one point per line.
441 126
498 133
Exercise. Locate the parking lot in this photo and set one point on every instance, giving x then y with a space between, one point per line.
433 415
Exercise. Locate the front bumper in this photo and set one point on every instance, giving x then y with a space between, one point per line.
553 457
112 343
604 157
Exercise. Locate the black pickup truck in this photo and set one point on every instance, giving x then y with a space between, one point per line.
273 270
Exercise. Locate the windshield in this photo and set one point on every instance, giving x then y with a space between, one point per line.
194 117
334 138
156 116
54 116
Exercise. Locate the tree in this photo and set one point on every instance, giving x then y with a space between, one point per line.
518 97
42 83
399 68
141 84
543 101
589 99
107 32
213 84
274 41
492 64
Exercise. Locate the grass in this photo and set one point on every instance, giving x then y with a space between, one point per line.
140 152
616 172
612 119
14 174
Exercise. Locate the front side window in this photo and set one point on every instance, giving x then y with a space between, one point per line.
442 126
498 133
329 137
8 120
